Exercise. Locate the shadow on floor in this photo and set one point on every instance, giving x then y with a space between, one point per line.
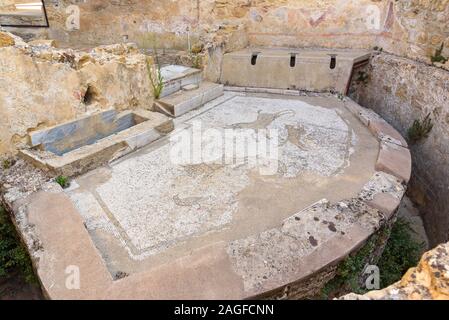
15 288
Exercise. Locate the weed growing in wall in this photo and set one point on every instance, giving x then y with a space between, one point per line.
63 181
156 79
420 129
340 96
438 56
362 77
195 54
154 69
6 164
196 61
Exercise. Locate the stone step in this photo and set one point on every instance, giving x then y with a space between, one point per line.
176 77
184 101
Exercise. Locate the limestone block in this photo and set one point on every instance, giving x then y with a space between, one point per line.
385 131
385 203
394 160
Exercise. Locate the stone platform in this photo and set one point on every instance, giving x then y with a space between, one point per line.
149 227
287 68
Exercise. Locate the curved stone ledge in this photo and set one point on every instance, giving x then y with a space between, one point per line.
279 262
394 156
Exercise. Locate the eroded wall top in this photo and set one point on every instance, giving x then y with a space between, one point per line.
414 28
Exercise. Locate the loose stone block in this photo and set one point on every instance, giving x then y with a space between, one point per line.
395 160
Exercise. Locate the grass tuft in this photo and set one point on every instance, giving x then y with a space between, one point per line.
63 181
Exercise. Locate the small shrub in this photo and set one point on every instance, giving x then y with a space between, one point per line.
6 164
420 129
157 81
362 77
196 61
401 253
154 69
13 256
340 96
63 181
438 56
197 48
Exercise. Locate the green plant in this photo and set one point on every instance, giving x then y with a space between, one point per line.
13 256
401 253
438 56
362 77
420 129
63 181
340 96
6 164
154 69
156 80
196 61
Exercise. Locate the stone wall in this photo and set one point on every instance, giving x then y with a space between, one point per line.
402 90
414 28
43 86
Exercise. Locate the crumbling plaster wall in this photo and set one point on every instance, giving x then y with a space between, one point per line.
42 86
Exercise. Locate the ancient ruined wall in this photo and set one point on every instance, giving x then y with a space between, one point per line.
402 90
42 86
414 28
114 21
329 23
